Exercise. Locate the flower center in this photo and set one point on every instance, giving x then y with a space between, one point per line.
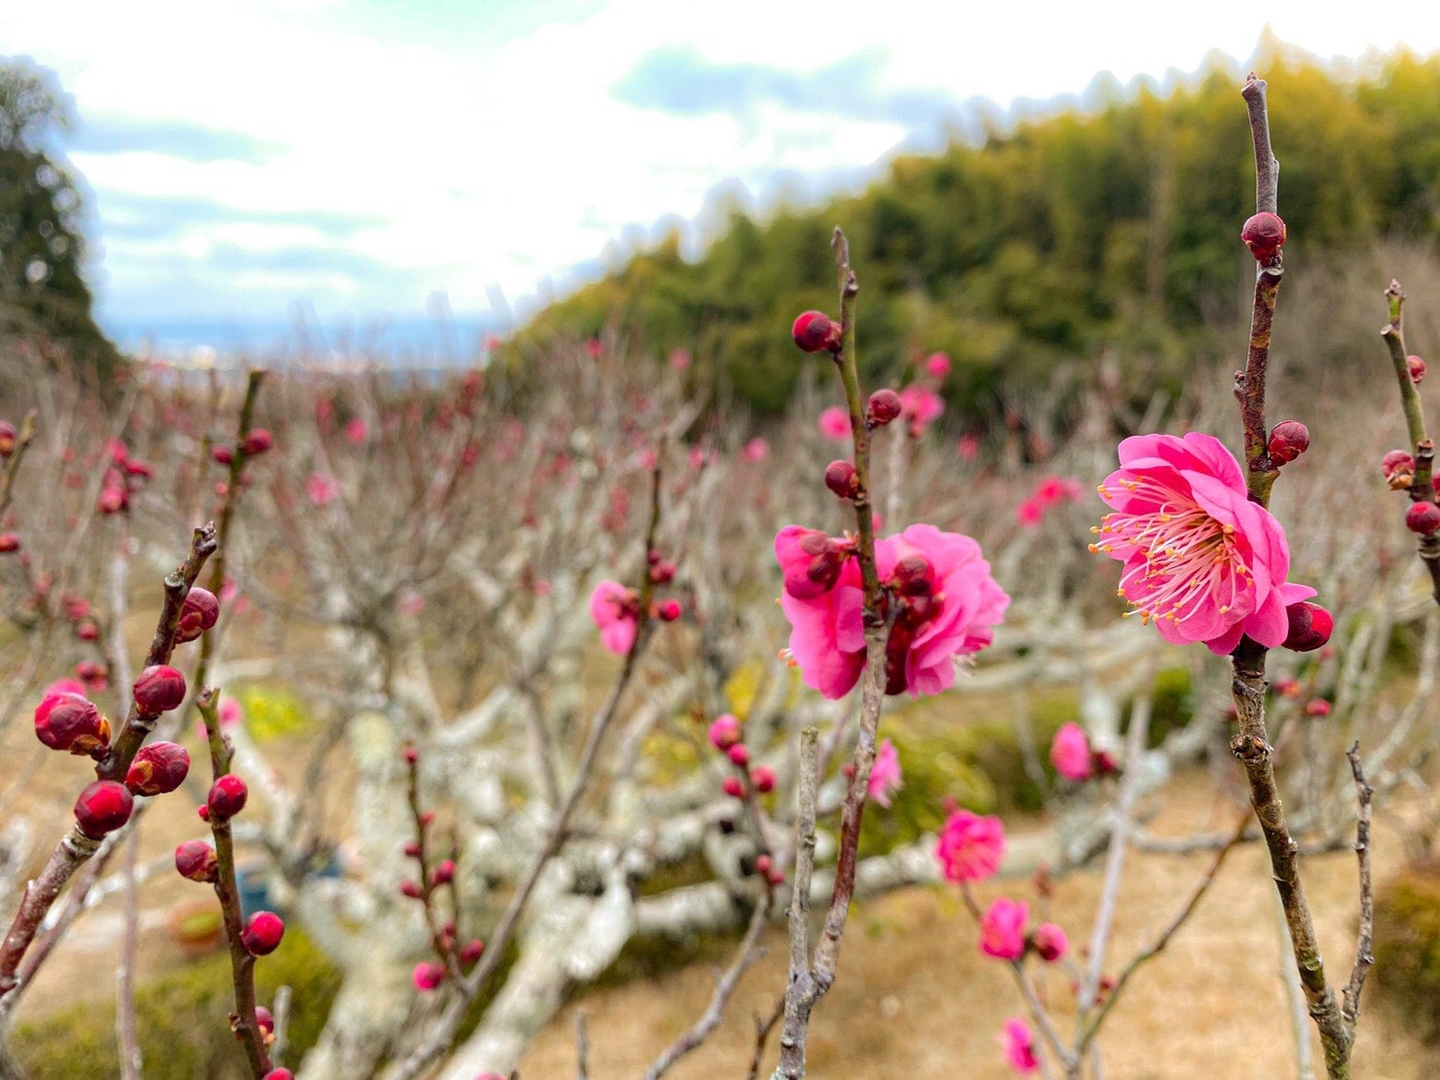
1190 562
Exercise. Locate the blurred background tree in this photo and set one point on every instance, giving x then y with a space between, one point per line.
42 287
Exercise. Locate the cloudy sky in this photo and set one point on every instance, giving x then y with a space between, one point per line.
362 156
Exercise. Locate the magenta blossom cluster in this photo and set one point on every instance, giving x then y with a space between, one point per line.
970 847
938 592
1201 560
1048 494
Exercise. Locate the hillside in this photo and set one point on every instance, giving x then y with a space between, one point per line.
1109 228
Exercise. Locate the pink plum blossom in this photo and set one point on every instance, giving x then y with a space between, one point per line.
937 365
968 446
612 606
886 775
1070 752
970 847
1002 929
1029 513
835 423
355 430
921 406
1201 559
1020 1046
322 489
949 606
756 449
680 359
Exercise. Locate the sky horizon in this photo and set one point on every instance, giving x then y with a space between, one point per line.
364 160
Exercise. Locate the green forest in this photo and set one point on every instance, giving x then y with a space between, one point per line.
1109 227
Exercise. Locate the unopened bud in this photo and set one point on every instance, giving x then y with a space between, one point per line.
763 777
227 796
739 754
668 610
199 614
1423 518
159 689
733 787
444 872
884 406
71 722
427 975
814 331
1288 440
103 807
158 768
842 479
262 933
195 859
471 951
1264 235
1417 368
1317 707
1399 468
1310 628
258 441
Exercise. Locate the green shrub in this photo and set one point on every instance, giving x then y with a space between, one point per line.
183 1019
1407 946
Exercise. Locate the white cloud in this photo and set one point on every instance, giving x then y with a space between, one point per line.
486 156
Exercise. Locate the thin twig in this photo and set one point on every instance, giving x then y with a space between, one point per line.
582 1046
763 1027
1363 958
745 955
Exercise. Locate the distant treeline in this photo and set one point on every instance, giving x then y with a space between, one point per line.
1113 227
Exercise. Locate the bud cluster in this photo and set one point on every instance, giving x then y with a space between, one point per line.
451 955
726 736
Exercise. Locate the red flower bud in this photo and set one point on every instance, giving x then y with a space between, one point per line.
159 689
103 807
195 859
411 755
262 933
158 768
411 889
1288 440
412 849
95 675
222 455
763 864
1423 518
733 787
471 951
776 876
279 1074
739 754
842 479
266 1023
1317 707
662 573
71 722
1310 627
1397 462
884 406
814 331
668 610
1264 235
227 796
427 975
199 614
9 542
444 872
87 631
258 441
763 777
7 438
1417 368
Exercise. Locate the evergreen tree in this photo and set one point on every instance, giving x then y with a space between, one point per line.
42 289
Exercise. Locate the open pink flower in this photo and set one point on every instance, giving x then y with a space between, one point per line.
612 606
920 406
322 489
1201 559
1070 752
835 423
970 847
886 775
1002 929
1020 1046
949 605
